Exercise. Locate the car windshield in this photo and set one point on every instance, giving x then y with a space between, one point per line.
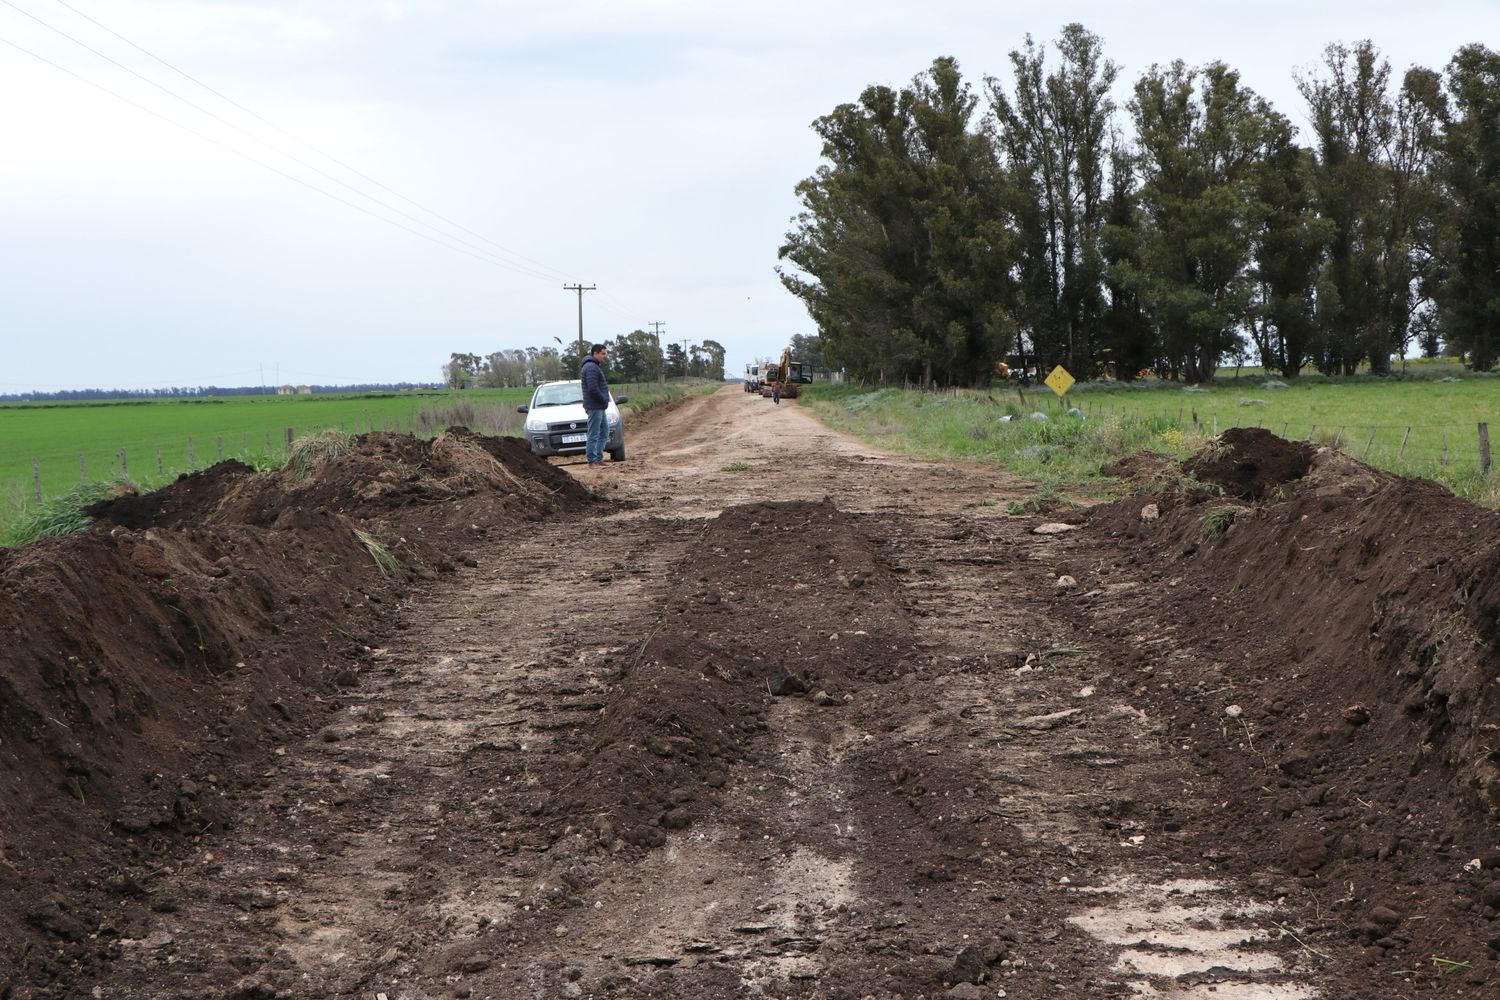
560 394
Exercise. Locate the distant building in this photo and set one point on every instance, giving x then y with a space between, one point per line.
285 390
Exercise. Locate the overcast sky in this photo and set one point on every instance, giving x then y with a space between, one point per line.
649 147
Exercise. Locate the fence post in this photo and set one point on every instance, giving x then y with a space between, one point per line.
1337 438
1284 427
1370 442
192 457
1484 448
36 479
287 445
1402 450
1311 433
1445 446
83 468
158 461
124 464
219 445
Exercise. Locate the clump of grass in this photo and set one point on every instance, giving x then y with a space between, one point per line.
312 450
263 461
1047 498
736 467
62 515
1219 520
384 561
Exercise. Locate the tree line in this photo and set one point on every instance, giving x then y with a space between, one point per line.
637 356
949 228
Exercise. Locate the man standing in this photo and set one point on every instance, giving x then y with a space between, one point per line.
595 404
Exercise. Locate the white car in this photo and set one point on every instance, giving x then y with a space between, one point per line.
557 425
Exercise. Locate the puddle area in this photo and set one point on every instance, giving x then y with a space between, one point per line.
1191 938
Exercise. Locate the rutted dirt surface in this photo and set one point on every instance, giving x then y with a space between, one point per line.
772 714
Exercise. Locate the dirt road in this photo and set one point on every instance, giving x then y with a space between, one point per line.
789 717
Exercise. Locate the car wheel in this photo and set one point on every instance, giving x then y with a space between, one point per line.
617 454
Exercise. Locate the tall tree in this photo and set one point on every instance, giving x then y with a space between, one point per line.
462 370
808 350
1054 133
1289 242
1374 157
1412 157
850 245
713 359
1470 296
1200 137
505 368
1126 336
635 357
900 252
677 361
546 365
962 314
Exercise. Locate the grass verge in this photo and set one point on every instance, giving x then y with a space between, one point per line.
62 515
1062 450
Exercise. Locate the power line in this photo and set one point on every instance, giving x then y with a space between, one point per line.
258 162
531 268
554 273
473 251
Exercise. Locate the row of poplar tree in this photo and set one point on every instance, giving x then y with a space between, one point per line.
937 239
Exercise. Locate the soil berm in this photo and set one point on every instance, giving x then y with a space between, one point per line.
438 719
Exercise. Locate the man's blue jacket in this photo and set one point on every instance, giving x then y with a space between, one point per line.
595 386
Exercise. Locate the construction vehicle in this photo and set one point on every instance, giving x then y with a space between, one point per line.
787 378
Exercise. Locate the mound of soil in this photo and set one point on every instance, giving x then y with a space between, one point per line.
781 600
149 662
1249 462
1354 704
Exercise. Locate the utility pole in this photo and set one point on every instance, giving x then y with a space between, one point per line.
661 359
580 289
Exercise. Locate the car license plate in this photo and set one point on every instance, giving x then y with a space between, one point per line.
575 439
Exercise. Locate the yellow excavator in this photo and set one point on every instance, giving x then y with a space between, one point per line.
788 377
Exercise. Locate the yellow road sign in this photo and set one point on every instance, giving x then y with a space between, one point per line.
1059 381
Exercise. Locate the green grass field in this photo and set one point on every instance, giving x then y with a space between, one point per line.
70 440
251 428
1425 425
